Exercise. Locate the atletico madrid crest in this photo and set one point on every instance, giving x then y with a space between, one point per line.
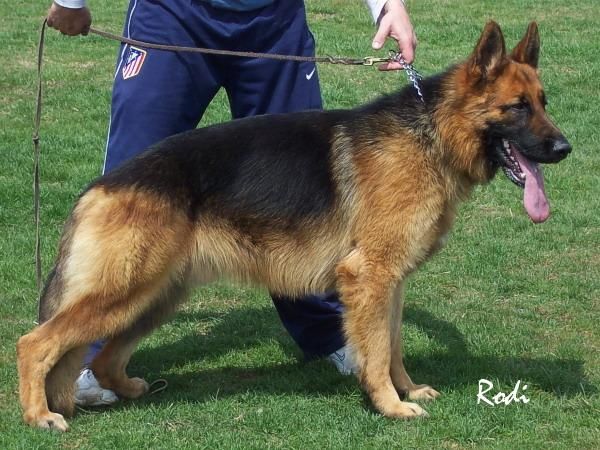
133 62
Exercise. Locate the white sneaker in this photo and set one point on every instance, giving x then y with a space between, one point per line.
88 391
343 360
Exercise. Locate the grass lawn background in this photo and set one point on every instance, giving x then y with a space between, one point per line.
506 300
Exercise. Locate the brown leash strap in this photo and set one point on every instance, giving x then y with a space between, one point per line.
368 61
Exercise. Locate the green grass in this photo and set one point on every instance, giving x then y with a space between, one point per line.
506 300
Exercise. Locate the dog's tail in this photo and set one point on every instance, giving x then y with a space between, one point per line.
60 381
53 293
50 298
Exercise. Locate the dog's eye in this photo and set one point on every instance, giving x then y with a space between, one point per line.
522 105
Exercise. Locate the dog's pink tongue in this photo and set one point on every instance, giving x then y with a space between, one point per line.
534 198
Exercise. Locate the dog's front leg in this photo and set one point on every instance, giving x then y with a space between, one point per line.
366 288
400 378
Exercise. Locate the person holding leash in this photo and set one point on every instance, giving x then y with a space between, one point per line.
158 93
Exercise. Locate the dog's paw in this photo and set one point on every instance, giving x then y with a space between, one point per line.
133 388
47 420
407 410
423 392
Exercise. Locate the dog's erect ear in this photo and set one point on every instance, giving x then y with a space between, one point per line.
490 52
528 50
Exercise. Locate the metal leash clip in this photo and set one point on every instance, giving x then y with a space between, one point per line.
372 60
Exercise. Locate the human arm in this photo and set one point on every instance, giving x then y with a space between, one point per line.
393 21
70 17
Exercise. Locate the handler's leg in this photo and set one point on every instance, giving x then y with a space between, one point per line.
155 94
262 86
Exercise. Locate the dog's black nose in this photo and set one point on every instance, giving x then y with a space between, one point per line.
561 147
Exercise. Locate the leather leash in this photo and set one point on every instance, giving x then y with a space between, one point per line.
367 61
36 165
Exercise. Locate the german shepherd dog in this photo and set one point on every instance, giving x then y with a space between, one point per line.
301 203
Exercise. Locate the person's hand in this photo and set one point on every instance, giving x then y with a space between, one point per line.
395 23
71 21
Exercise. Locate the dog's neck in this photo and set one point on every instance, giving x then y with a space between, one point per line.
444 132
454 129
438 125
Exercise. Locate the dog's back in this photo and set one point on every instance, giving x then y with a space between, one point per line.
274 167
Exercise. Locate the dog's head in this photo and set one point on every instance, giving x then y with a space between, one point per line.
507 101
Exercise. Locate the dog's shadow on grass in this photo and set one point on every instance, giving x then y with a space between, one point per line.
246 328
457 366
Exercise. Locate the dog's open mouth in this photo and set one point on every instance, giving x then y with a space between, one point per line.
528 175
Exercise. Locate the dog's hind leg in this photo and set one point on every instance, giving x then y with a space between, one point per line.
60 341
120 253
61 398
366 288
110 365
400 378
36 355
60 380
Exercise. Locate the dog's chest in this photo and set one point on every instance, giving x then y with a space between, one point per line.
441 230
